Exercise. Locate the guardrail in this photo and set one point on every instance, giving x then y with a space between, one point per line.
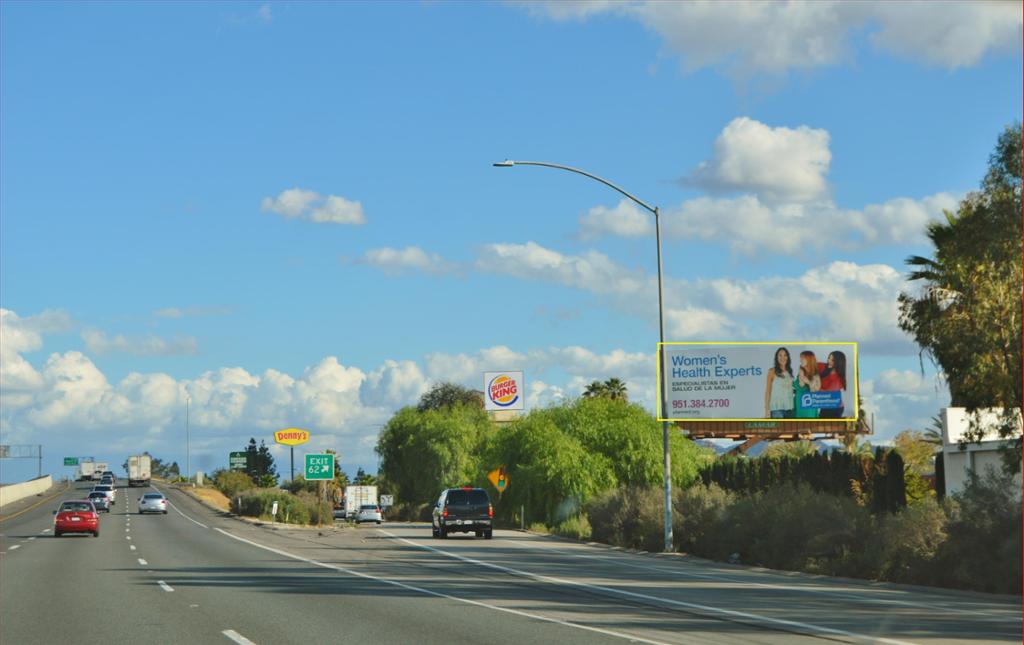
14 492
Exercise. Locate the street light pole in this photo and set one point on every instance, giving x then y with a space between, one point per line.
188 443
654 210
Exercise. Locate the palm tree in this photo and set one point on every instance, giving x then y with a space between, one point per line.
615 389
594 390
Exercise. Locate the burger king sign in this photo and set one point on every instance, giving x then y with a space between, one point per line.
503 391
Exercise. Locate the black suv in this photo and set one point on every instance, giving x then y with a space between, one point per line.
461 510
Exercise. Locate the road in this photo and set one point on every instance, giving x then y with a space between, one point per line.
198 576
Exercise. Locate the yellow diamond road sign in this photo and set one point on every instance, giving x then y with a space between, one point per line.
499 478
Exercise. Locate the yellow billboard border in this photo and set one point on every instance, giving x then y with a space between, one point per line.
856 378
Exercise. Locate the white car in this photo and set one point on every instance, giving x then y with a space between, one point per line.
152 503
369 513
108 490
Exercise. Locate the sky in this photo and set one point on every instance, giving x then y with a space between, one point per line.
285 214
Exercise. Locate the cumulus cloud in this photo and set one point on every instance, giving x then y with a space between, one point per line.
625 220
592 271
309 205
99 343
779 164
18 336
410 259
901 400
773 37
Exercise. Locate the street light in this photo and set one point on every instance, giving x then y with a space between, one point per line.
508 163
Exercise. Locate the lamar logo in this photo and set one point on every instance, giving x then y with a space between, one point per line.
291 437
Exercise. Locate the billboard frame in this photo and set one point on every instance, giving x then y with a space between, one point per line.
853 421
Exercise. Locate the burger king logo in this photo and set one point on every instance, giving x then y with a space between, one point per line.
503 390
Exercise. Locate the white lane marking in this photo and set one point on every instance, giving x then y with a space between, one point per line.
32 538
800 589
127 537
131 546
127 530
179 512
143 562
16 546
238 638
164 585
395 583
778 622
45 531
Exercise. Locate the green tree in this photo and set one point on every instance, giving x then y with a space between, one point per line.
918 460
424 451
612 388
261 464
594 389
364 478
967 315
449 395
795 449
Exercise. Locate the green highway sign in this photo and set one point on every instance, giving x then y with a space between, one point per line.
238 461
319 467
71 461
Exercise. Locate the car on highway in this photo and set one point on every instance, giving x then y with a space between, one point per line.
110 474
109 490
100 501
76 516
153 503
461 510
369 513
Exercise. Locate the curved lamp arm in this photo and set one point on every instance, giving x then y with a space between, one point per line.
508 163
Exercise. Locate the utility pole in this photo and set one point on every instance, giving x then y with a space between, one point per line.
188 444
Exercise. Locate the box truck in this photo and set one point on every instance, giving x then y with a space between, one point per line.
356 496
138 470
86 467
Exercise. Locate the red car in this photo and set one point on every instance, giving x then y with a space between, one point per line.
76 516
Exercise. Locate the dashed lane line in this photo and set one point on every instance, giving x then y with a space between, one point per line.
143 562
238 638
164 585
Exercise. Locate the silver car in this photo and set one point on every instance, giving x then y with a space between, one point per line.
153 503
108 490
369 513
100 500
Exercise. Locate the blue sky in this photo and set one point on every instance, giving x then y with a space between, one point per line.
286 213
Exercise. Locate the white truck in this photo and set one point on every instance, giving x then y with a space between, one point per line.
86 468
99 468
138 470
356 496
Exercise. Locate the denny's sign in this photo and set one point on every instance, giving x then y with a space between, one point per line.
291 436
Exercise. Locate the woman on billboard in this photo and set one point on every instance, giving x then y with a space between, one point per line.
778 392
807 380
833 379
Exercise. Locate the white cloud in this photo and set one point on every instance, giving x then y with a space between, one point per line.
777 164
773 37
394 383
750 227
18 378
591 271
98 342
411 258
309 205
625 220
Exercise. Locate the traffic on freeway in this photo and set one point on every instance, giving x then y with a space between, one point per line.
198 575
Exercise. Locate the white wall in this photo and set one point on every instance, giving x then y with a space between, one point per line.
975 456
14 492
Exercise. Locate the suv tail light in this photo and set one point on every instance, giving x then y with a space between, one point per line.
490 511
445 513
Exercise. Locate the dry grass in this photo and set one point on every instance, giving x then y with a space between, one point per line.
211 496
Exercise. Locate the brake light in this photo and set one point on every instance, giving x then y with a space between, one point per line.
445 513
467 488
490 511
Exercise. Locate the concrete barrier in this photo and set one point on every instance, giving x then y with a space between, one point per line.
14 492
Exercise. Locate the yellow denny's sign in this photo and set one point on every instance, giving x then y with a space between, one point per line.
291 436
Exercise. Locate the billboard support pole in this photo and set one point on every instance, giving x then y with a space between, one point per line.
293 463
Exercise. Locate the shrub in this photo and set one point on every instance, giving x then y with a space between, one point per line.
319 511
232 482
906 543
696 511
259 503
576 527
630 517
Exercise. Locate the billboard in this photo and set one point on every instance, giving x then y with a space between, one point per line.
503 391
787 382
291 436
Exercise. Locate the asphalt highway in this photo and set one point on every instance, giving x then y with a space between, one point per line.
197 575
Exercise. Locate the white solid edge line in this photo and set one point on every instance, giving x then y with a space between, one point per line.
178 511
238 638
395 583
846 595
778 622
16 546
164 585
